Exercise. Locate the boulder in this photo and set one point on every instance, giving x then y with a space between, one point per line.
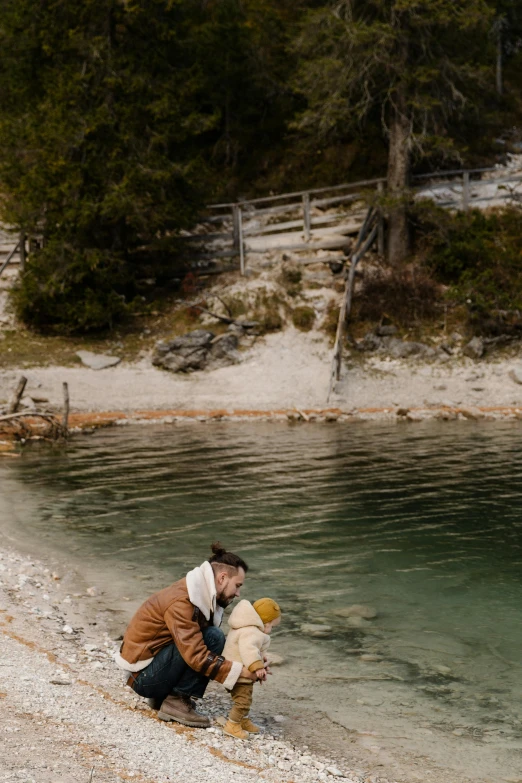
97 361
223 351
475 348
186 353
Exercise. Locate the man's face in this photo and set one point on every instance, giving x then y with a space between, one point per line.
228 586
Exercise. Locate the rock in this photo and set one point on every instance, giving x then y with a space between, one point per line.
516 374
274 659
67 629
318 631
371 658
331 416
357 622
357 610
97 361
92 591
447 415
401 349
184 354
472 413
223 351
334 771
279 718
402 411
370 342
416 416
198 350
28 403
386 331
475 348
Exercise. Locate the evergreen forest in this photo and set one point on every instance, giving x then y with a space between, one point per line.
121 119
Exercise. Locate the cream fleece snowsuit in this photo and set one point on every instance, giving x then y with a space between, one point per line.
246 643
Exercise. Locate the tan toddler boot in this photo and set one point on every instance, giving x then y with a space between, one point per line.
235 730
247 725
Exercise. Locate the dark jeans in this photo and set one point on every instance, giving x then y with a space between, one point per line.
168 671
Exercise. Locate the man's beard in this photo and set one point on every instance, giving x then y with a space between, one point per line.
223 601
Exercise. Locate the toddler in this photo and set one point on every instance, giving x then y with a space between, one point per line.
247 642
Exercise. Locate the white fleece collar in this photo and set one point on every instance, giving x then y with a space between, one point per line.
201 588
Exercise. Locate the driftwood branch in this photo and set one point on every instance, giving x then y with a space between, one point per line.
17 396
28 414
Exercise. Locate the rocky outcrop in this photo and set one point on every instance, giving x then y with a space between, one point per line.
197 350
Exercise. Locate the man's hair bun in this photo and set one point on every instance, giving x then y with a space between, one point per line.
218 549
220 556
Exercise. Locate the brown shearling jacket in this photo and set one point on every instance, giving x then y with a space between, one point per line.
166 617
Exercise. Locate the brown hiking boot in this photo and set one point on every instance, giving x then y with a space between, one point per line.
235 730
250 726
181 709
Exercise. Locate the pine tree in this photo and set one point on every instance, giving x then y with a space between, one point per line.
410 64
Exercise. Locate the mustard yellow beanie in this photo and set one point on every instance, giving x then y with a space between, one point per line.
267 609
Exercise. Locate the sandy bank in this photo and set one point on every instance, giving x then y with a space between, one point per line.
280 374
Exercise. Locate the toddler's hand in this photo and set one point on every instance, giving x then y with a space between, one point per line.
261 675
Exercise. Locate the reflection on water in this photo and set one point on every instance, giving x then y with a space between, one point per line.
423 523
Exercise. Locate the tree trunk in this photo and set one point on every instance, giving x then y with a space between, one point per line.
398 180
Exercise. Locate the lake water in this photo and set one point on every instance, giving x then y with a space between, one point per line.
422 522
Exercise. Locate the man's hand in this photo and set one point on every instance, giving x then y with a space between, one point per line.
248 674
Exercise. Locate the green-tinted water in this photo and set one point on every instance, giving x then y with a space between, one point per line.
422 522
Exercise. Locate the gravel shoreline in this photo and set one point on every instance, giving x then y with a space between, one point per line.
64 711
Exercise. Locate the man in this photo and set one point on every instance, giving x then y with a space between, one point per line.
173 644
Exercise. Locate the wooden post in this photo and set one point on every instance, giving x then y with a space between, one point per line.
465 191
235 227
306 216
21 251
17 396
380 234
65 420
241 246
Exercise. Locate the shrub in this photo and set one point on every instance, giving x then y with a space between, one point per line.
268 311
70 291
403 295
291 278
479 255
331 319
303 318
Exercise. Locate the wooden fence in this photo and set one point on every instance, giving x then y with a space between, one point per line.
294 226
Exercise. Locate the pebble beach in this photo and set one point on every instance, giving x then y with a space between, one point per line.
66 716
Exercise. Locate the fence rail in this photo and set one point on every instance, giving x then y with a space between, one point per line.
293 216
